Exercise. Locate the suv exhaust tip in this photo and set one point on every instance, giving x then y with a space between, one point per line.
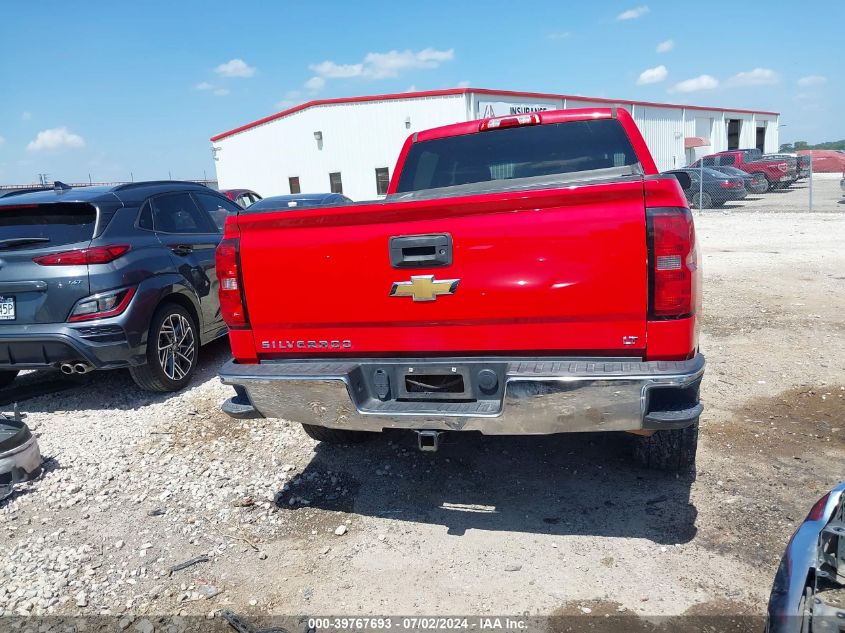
428 441
69 369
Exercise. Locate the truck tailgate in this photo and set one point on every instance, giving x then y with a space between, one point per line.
548 271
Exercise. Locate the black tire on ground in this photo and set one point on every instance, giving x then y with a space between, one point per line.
702 201
673 449
170 368
7 376
335 436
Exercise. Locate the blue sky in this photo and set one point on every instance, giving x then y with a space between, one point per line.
109 89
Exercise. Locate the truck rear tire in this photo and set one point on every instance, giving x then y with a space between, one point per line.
7 376
672 449
335 436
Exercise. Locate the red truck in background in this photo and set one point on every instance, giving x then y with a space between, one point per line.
777 172
529 274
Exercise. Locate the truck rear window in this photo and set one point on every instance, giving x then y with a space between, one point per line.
64 223
518 152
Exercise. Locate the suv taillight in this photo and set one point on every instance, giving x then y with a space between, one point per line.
83 256
673 263
232 304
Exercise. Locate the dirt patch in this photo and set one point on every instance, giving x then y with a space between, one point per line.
794 422
605 615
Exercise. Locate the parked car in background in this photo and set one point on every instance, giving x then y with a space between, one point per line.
717 189
106 277
804 165
465 300
299 201
754 183
776 172
791 162
244 197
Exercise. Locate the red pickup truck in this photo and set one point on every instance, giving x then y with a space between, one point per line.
528 274
777 172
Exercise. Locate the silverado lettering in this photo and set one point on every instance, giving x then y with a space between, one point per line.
546 219
333 344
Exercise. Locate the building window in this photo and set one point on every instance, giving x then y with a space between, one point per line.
382 180
293 183
335 183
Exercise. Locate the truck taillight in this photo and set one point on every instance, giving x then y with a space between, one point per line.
509 121
673 263
232 304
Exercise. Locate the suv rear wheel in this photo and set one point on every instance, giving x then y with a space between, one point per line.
172 347
335 436
672 449
7 376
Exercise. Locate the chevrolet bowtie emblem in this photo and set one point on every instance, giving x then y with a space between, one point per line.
424 287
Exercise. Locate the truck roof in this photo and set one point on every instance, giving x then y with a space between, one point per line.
545 117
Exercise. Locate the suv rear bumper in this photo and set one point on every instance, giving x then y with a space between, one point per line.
102 344
533 396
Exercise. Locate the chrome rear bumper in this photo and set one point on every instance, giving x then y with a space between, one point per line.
535 396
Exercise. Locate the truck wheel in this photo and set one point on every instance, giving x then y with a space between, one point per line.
335 436
702 201
172 347
672 449
7 376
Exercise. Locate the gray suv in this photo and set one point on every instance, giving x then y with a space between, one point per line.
107 277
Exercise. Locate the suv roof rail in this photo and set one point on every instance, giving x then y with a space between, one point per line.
153 183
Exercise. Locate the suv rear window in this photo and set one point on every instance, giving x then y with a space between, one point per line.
63 223
518 152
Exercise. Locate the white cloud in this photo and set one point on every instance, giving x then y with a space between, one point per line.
331 70
463 84
290 99
633 14
203 85
392 63
652 75
812 80
2 140
411 88
559 35
55 138
221 92
665 46
235 68
702 82
26 115
315 84
382 65
756 77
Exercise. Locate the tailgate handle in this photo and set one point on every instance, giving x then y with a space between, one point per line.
421 251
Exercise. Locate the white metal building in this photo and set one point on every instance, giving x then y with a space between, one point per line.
351 144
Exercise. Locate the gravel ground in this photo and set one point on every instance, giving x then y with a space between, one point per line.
138 483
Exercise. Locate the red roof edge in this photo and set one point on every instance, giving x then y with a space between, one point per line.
462 91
